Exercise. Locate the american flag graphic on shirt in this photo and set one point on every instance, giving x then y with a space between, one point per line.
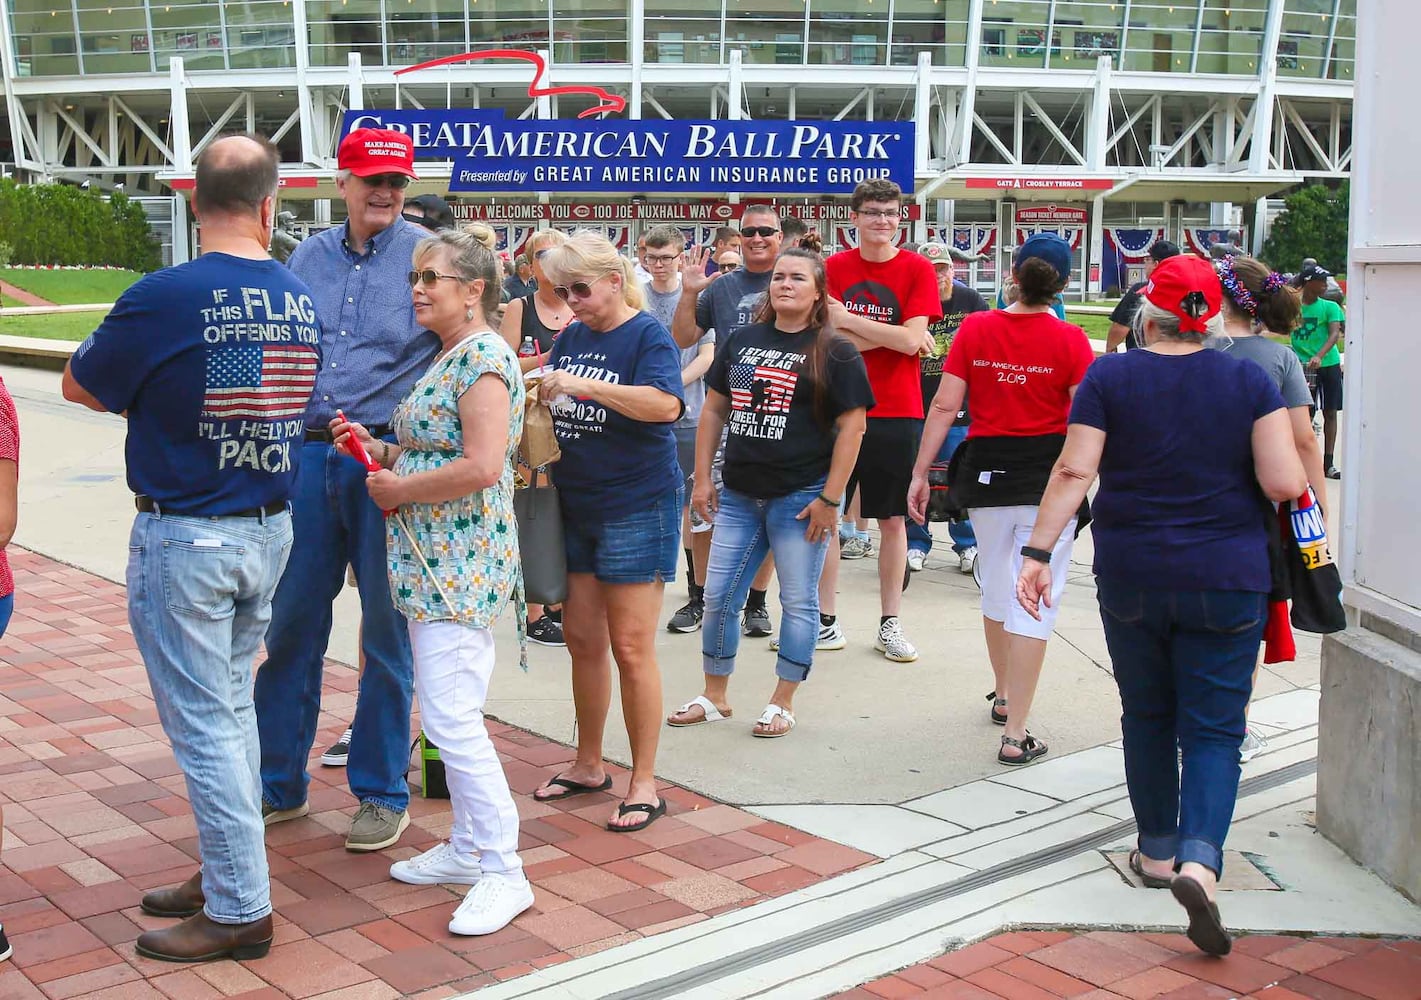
761 388
259 381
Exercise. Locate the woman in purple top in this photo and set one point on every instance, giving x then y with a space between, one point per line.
1181 566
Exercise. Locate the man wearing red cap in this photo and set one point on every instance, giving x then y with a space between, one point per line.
373 352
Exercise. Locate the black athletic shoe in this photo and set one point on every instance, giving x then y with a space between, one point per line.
756 622
688 618
546 632
5 950
1333 472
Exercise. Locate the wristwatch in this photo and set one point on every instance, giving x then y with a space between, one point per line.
1040 555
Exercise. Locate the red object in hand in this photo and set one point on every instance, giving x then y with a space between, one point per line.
1278 644
356 447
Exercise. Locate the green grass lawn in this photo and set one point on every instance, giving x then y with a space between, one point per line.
7 301
57 326
1095 327
72 287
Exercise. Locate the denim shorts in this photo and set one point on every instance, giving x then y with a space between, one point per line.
641 547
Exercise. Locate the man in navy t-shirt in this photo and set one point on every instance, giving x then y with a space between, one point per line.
213 363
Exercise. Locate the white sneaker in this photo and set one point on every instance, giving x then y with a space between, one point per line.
916 558
1252 746
967 559
491 905
830 637
436 866
892 643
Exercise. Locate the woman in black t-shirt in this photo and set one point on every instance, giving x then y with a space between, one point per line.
794 398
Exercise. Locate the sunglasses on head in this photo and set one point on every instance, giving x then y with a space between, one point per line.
429 276
578 289
397 182
728 267
746 232
539 254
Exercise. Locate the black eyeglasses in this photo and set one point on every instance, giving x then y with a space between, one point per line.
661 258
397 182
429 276
746 232
580 289
728 267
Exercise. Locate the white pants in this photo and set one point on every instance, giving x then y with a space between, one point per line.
1001 532
452 667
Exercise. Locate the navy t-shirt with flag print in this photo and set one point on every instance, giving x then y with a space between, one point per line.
775 445
214 362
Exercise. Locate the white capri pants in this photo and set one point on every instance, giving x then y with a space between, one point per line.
1001 532
452 667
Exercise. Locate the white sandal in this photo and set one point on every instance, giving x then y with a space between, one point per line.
712 714
767 718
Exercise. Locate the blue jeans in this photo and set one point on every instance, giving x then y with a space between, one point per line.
745 529
920 536
336 524
7 608
1183 661
199 598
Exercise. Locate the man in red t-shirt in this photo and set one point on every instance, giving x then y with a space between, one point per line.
883 300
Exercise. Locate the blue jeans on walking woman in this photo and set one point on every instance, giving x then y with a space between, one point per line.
199 599
745 529
1183 660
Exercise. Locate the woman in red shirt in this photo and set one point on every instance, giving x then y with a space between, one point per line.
1021 366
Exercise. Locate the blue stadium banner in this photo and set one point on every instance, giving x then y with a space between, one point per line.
493 154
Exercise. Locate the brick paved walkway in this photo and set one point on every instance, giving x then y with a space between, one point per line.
1102 965
23 297
95 815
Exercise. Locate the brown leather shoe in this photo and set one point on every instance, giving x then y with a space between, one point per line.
180 901
198 939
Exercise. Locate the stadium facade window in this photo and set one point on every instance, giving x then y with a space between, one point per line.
1083 31
509 24
848 32
419 30
340 27
590 31
931 26
1014 33
1231 36
767 31
113 37
43 34
676 33
1318 39
1159 37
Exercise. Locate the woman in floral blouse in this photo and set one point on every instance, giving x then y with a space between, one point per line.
454 563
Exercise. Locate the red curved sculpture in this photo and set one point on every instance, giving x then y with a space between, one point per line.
611 103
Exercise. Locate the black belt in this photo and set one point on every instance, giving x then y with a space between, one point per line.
324 433
147 505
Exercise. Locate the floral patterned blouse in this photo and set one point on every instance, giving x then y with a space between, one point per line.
470 543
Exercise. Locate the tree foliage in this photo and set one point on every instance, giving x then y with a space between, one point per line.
1313 224
62 224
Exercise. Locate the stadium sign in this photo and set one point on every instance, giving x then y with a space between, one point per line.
493 154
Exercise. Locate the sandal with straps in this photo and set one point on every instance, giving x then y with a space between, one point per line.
999 719
767 719
1030 748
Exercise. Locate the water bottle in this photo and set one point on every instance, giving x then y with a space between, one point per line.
528 348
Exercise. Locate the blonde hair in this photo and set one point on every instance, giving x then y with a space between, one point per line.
543 238
587 256
471 259
483 233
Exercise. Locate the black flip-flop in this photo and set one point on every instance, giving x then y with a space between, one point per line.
573 788
653 813
1146 879
1206 929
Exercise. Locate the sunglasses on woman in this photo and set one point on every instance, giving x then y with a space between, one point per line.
580 289
397 182
429 276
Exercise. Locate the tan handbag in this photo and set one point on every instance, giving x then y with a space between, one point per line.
540 445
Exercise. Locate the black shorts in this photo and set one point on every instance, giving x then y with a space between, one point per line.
1329 388
885 466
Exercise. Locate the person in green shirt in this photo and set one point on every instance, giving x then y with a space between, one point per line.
1315 342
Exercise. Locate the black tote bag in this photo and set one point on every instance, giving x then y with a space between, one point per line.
1313 577
540 543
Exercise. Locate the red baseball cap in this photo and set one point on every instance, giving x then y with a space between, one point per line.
1187 287
369 151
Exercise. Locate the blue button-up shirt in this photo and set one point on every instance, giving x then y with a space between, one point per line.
372 349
